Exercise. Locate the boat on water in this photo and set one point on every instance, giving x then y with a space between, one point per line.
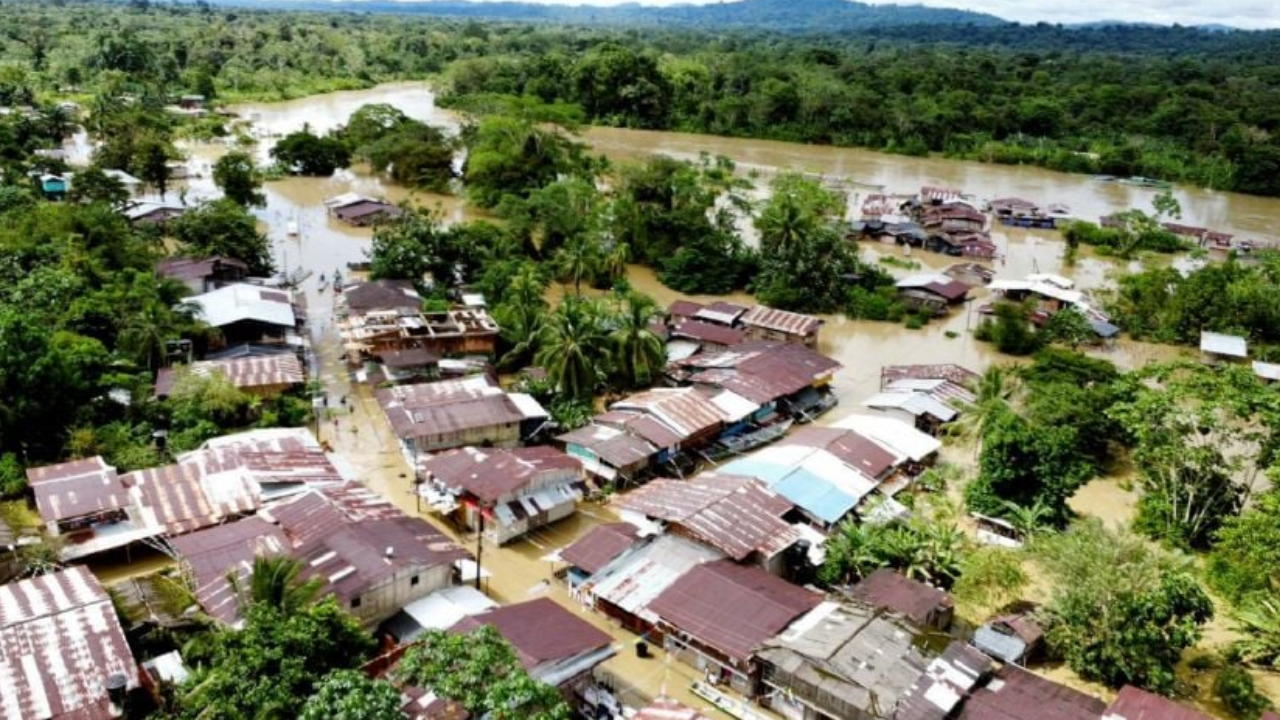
1139 181
739 444
292 228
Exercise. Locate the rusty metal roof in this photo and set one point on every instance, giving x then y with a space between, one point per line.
1015 694
490 474
59 642
541 631
782 321
635 578
214 553
732 608
735 515
615 447
944 684
600 545
684 308
381 295
358 556
914 600
77 488
1135 704
859 452
182 498
684 410
721 312
950 372
760 370
448 406
708 332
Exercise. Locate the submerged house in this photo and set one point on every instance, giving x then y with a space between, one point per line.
1136 704
96 509
203 275
766 323
1016 694
825 472
625 587
932 292
63 654
555 646
841 660
924 605
738 516
359 210
926 396
717 615
367 553
433 416
596 548
244 313
654 427
1014 638
518 490
780 378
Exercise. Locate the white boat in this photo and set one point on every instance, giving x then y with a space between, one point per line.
292 228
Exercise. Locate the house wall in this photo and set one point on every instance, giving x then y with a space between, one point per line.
742 678
383 601
506 435
755 332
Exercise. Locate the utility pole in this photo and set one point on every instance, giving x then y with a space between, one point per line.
479 543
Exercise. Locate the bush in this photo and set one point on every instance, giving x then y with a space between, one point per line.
13 477
1234 687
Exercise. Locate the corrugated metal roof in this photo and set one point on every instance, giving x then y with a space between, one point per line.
1220 344
1266 371
721 312
781 321
181 498
812 478
1015 694
856 654
945 683
489 473
891 590
732 608
77 488
600 545
863 454
541 631
635 578
59 642
708 332
239 302
760 370
381 295
1135 704
915 403
951 372
894 434
684 308
449 406
736 515
684 410
213 554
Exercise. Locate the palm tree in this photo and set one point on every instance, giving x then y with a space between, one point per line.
274 582
638 352
992 398
572 347
579 259
521 314
616 260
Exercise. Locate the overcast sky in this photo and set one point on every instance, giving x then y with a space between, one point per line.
1237 13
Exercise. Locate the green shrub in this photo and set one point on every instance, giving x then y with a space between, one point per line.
1234 687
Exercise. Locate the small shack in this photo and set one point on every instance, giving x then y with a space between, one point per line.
922 604
1013 638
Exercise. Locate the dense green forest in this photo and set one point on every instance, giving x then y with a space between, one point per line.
1174 103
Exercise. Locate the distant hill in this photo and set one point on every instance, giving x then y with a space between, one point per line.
785 15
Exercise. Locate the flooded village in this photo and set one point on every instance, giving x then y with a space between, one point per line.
660 560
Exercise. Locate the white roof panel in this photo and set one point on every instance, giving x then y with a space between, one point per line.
1220 344
892 433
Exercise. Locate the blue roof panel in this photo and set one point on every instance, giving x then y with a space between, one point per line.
815 495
